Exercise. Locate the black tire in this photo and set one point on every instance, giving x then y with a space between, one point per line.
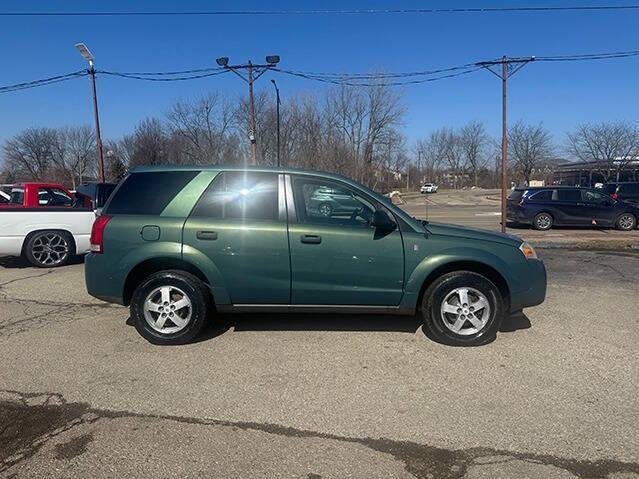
178 281
626 222
438 324
325 209
49 249
543 221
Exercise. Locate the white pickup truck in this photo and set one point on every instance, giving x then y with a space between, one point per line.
45 223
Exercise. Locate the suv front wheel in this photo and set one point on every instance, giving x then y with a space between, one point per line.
169 307
462 308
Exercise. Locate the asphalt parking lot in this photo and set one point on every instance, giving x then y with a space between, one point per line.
480 209
322 396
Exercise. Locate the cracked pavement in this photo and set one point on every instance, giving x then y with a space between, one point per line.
555 396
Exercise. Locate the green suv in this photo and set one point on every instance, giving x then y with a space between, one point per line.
180 243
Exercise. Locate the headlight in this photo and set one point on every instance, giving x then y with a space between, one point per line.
528 251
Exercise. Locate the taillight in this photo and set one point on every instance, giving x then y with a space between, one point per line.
614 196
97 233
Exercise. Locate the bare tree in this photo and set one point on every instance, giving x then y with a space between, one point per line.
151 145
613 145
31 153
530 146
445 144
77 154
473 143
205 130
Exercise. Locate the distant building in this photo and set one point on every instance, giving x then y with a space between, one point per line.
587 173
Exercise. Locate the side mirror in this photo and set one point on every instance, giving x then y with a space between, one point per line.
383 221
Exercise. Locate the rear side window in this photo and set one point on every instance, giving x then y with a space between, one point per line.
516 195
569 195
544 195
17 196
148 193
240 195
629 189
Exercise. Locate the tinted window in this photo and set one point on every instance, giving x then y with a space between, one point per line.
148 193
629 189
53 197
516 195
544 195
240 195
589 196
609 188
323 202
17 196
569 195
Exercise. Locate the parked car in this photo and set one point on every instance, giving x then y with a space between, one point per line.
96 193
330 202
44 223
628 192
545 207
176 243
428 188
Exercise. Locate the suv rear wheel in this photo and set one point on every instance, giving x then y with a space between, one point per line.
543 221
169 307
462 308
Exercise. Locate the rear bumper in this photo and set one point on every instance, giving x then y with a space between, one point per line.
517 215
100 281
535 293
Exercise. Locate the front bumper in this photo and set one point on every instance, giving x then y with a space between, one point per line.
535 293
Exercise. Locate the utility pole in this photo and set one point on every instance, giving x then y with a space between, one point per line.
84 51
277 107
251 77
509 66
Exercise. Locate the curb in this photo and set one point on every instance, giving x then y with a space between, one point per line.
599 245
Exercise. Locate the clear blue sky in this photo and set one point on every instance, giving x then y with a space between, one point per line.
560 95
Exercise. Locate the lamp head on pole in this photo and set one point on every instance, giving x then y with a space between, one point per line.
222 61
85 52
273 59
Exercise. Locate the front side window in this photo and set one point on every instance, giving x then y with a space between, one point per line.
595 197
324 202
53 197
240 195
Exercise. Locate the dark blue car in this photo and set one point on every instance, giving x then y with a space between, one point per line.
545 207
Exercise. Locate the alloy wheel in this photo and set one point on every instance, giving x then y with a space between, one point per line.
543 222
626 222
50 249
167 309
465 311
325 210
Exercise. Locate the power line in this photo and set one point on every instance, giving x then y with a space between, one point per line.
573 8
336 78
43 82
345 81
149 78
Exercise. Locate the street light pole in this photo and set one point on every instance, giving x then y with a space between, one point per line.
84 51
277 107
251 77
504 75
252 115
